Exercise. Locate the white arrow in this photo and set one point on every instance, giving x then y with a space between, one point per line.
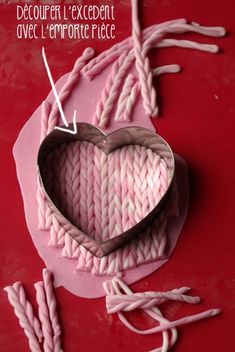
74 130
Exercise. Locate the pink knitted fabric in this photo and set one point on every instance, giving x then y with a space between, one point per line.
114 192
43 210
149 177
47 312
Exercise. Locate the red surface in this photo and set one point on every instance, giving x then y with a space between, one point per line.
197 120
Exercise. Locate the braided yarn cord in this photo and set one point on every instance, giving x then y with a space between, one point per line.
120 298
44 334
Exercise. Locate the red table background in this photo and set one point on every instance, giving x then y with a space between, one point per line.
197 119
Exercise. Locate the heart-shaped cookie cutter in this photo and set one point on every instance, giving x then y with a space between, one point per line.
107 143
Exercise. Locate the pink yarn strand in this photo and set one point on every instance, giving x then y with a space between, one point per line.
23 311
52 309
28 310
111 215
117 290
109 93
188 44
46 107
43 313
47 331
142 66
126 90
152 37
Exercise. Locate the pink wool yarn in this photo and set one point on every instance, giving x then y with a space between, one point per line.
121 105
109 93
113 203
46 108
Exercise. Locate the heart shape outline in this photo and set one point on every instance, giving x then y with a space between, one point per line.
106 143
